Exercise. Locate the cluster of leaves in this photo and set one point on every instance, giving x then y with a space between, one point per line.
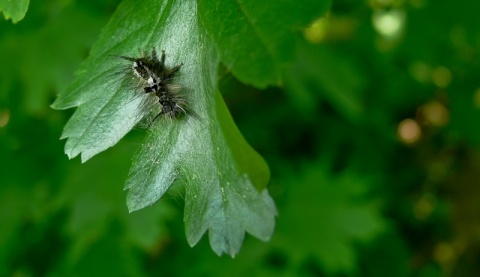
352 200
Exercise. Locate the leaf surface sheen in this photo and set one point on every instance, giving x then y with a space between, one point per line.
224 177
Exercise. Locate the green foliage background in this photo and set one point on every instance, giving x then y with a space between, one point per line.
354 197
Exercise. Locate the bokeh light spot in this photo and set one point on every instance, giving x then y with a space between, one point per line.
441 77
476 98
421 72
435 113
444 253
409 131
389 23
4 118
425 206
316 32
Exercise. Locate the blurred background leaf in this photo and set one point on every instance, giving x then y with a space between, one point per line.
324 217
14 10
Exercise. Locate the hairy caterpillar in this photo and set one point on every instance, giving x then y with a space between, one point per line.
157 79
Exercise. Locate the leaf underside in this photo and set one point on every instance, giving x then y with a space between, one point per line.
224 177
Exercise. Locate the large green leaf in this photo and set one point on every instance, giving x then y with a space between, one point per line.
224 177
256 38
14 9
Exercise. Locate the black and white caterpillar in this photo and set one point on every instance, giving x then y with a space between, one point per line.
156 78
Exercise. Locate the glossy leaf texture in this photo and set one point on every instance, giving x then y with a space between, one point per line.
224 177
257 38
14 9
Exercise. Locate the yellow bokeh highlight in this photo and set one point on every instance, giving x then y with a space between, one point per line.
434 113
4 118
409 131
389 23
316 32
441 77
